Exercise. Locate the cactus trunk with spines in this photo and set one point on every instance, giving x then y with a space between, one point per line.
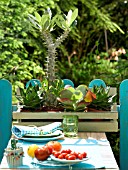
51 57
46 24
50 65
60 39
51 53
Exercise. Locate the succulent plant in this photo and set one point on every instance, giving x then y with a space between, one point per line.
76 99
45 24
103 100
52 92
31 97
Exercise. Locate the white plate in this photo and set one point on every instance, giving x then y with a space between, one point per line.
68 161
42 139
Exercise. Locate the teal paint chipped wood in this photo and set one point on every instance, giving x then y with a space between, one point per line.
33 82
124 125
97 82
68 82
5 114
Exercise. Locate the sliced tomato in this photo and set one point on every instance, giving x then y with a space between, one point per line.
56 154
71 157
61 156
80 156
64 154
84 154
66 157
74 153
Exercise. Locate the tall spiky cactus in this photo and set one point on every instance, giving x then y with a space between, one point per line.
46 24
51 54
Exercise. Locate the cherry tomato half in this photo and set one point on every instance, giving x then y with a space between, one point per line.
66 151
66 157
56 154
80 156
71 157
61 156
74 153
64 154
69 151
84 154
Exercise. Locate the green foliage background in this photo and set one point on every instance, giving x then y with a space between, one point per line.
22 52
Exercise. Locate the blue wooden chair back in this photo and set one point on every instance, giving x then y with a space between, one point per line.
123 125
5 114
33 82
97 82
68 82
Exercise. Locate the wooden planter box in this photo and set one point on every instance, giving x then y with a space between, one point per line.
106 121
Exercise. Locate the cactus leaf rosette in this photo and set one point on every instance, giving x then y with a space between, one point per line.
30 98
76 99
103 101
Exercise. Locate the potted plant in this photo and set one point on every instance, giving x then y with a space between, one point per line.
30 98
40 97
14 154
76 99
51 95
103 101
45 24
36 98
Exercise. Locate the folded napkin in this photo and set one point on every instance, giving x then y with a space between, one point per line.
20 131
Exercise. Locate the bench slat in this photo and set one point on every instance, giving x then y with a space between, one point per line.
59 115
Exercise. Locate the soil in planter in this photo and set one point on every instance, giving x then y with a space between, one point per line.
42 109
52 109
94 110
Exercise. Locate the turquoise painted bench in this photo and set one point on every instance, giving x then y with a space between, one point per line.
97 82
5 114
123 111
123 119
34 82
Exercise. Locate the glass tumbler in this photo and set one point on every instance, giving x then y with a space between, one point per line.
70 125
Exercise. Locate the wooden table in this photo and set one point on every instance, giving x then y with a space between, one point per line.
104 150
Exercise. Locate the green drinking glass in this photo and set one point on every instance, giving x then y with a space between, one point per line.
70 125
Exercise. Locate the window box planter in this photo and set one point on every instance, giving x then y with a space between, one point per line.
102 121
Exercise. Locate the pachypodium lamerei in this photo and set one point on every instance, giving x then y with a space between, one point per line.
46 24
